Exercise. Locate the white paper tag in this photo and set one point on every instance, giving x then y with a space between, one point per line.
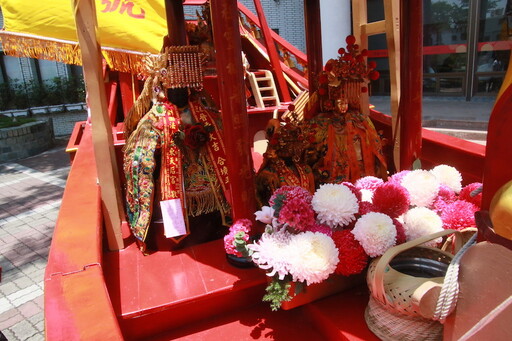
172 215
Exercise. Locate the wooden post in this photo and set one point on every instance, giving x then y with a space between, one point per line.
272 53
313 41
226 36
411 71
106 164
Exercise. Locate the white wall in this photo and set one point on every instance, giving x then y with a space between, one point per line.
336 26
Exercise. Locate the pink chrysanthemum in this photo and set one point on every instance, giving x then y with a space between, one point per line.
290 192
400 232
369 182
241 225
391 199
352 257
297 213
465 194
446 196
397 177
322 228
459 215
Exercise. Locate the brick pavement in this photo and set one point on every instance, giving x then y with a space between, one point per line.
30 196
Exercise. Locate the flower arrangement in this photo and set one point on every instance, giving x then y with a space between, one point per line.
339 228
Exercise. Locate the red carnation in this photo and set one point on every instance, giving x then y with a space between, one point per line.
374 75
459 215
391 199
351 40
400 232
364 53
348 57
355 46
328 67
372 64
366 207
352 257
341 51
465 194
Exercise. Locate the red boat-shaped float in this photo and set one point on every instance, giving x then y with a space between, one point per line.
116 273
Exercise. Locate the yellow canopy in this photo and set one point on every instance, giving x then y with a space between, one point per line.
127 29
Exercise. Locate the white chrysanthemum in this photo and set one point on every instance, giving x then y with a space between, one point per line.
313 256
335 204
271 253
421 221
448 176
423 187
375 232
265 215
366 195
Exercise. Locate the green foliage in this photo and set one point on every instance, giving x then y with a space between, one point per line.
278 291
241 244
8 122
59 90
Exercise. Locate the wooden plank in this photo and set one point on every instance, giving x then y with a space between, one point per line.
108 174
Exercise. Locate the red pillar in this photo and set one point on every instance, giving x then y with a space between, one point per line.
411 88
313 41
226 36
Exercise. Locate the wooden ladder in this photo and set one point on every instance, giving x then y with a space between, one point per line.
390 26
263 88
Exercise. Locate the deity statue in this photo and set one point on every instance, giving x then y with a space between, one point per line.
169 159
346 145
284 160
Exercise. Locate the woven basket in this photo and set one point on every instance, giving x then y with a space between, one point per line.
405 283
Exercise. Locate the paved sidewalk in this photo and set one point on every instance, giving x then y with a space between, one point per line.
30 197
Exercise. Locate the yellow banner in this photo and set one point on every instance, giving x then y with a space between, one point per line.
135 25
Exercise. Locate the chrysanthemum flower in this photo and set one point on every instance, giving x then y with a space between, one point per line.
422 186
265 215
322 228
458 215
353 258
312 257
391 199
241 225
366 207
297 213
449 176
369 182
290 192
446 196
335 205
375 232
366 195
397 177
465 194
271 253
421 221
400 232
353 188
